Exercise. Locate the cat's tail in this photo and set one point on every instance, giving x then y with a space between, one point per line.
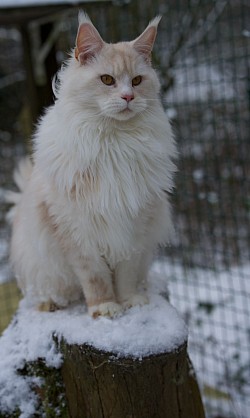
21 176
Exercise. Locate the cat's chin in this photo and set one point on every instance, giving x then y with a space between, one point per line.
124 115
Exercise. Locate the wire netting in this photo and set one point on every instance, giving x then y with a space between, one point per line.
202 57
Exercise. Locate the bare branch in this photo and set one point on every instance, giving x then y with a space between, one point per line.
10 79
188 35
208 24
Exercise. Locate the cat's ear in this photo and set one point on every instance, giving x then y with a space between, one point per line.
88 40
145 42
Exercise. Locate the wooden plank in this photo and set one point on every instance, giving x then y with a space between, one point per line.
15 16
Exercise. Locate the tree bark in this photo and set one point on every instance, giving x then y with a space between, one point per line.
102 385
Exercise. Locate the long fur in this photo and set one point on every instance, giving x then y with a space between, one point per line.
94 202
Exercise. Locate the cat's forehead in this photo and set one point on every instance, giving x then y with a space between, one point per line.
122 58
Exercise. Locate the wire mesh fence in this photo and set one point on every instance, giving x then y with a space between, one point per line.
202 55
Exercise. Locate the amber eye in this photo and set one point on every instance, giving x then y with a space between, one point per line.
136 80
108 79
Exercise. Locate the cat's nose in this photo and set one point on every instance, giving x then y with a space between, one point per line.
128 97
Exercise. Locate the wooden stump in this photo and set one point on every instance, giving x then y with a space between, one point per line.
101 385
134 366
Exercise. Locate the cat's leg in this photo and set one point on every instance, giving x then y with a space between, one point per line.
130 280
131 275
95 279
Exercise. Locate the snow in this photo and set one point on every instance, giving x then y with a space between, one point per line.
215 305
199 83
141 331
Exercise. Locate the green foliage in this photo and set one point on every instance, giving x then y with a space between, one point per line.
50 393
15 414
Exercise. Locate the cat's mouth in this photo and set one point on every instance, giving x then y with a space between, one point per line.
127 109
124 111
124 114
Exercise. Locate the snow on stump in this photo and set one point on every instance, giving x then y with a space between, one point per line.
69 365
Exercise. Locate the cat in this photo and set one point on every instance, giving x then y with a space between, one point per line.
94 203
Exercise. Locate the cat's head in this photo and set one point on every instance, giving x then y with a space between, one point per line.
116 80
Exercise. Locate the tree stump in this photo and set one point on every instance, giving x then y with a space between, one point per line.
68 365
103 385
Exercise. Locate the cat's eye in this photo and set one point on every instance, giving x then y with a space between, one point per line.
108 79
137 80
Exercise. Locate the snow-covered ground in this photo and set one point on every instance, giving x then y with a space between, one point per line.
216 306
200 83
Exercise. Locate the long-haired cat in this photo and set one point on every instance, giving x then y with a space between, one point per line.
93 206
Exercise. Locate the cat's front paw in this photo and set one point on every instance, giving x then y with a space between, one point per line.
135 300
109 309
48 306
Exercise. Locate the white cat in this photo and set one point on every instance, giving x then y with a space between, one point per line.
93 205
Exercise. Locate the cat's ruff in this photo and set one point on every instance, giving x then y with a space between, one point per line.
93 207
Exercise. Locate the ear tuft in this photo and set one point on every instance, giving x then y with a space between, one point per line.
83 18
88 40
145 42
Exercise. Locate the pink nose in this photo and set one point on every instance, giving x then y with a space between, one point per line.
128 97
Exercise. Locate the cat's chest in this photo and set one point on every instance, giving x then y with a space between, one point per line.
112 230
108 205
120 178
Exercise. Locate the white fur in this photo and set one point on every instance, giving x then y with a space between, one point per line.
94 208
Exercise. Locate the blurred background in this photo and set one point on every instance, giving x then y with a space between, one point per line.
202 56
